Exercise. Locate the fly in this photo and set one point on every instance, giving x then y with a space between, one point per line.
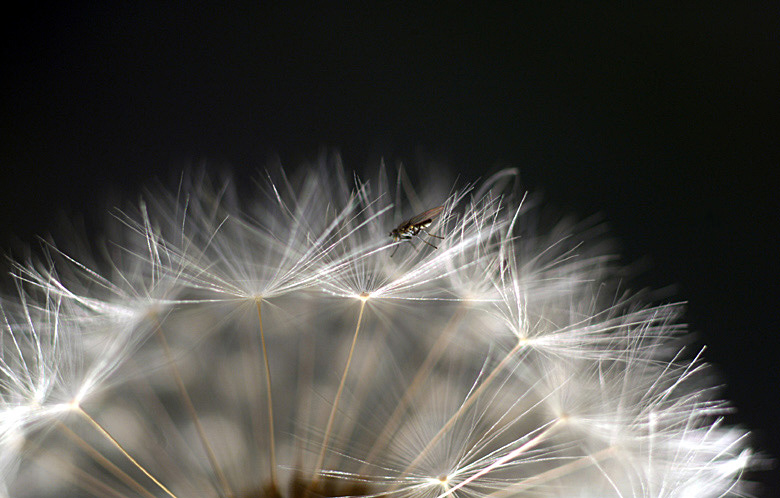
414 225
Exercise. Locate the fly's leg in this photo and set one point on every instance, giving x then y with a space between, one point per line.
429 234
428 242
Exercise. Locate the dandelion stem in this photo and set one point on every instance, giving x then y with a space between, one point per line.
160 420
104 462
333 410
434 354
530 444
272 444
85 481
306 358
463 407
195 419
251 372
108 436
554 473
368 373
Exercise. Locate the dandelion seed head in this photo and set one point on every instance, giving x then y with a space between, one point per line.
283 345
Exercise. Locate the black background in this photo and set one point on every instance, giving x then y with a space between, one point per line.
664 119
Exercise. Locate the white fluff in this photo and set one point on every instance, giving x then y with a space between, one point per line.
502 363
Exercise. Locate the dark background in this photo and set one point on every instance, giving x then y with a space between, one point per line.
663 119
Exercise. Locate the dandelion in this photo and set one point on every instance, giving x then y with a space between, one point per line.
275 346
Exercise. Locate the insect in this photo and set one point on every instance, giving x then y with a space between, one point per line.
414 225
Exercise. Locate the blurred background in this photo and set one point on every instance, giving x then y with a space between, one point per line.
662 119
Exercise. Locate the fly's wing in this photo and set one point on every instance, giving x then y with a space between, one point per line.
425 216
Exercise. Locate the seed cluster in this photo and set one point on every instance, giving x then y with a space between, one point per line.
269 346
